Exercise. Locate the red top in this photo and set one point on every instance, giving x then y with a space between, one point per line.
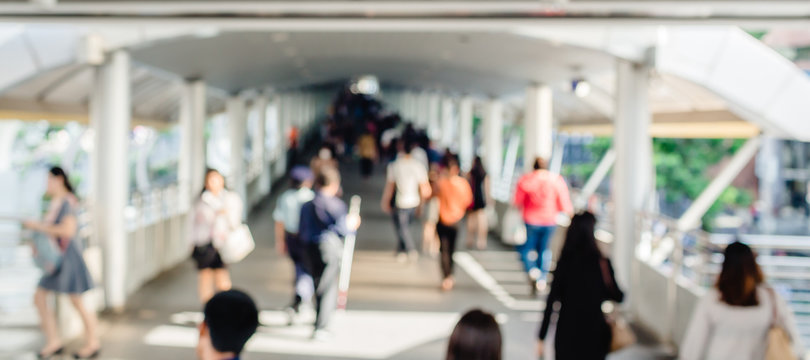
542 195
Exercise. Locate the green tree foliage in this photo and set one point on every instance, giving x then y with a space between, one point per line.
681 170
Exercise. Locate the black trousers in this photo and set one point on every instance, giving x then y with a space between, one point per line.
447 238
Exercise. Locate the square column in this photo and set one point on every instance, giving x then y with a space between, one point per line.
633 170
237 130
191 164
258 138
465 133
538 125
110 119
434 126
448 123
492 136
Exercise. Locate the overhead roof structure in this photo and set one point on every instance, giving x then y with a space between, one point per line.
700 73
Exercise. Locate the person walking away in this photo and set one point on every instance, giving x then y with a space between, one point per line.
477 222
409 179
367 147
215 215
541 195
230 320
733 319
324 158
324 224
286 216
430 240
476 336
582 280
71 277
455 196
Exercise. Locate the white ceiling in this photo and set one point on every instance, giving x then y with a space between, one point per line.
477 63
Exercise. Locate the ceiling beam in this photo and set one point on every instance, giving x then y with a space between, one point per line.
457 9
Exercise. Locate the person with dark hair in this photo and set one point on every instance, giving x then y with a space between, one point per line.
541 195
476 336
477 222
582 280
455 196
216 214
324 158
286 216
733 319
231 319
71 277
407 179
324 223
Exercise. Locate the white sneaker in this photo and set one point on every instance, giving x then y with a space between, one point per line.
402 258
322 335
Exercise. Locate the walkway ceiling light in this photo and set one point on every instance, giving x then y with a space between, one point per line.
580 87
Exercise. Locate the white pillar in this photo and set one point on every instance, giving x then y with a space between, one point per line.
448 123
191 164
258 138
434 126
111 116
279 151
465 133
423 119
632 172
538 125
492 136
237 130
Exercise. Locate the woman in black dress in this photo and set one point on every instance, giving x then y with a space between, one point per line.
477 224
583 279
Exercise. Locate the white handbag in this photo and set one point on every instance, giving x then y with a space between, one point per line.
238 245
513 231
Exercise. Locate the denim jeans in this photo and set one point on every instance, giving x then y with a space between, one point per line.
535 252
402 222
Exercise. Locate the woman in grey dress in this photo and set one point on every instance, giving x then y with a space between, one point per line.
72 277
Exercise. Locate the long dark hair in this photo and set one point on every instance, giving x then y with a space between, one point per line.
477 336
580 242
477 170
740 276
60 173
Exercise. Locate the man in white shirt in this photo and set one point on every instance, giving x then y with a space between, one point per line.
407 179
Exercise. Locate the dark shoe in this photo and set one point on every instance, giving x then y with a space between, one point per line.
94 355
58 351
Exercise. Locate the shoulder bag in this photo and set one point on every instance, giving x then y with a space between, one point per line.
779 344
622 334
237 246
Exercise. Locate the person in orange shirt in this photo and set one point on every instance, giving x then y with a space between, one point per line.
455 196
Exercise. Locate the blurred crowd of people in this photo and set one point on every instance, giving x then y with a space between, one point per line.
735 320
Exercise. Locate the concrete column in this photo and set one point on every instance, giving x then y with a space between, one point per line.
493 139
448 123
632 172
434 126
110 118
278 133
237 130
259 145
191 164
465 133
259 136
423 110
538 125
